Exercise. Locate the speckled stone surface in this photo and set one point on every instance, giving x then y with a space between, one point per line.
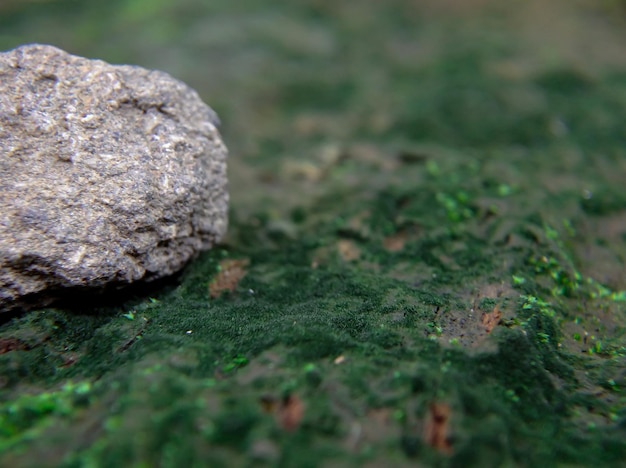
108 175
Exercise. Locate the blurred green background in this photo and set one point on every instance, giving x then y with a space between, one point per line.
289 77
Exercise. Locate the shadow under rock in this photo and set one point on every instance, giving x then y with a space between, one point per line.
93 301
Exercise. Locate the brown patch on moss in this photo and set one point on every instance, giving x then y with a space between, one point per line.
470 327
358 224
230 273
395 242
290 413
287 411
12 344
436 430
348 250
69 359
269 404
491 319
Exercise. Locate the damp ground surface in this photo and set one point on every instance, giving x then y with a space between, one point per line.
425 260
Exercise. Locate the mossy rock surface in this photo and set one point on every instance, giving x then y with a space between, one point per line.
425 263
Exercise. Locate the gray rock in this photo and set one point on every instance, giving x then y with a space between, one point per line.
108 175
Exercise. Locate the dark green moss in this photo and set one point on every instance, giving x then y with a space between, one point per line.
565 81
603 202
317 94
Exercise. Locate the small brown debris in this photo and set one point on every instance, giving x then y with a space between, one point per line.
230 273
290 413
491 319
269 404
436 427
340 359
69 359
348 250
395 242
12 344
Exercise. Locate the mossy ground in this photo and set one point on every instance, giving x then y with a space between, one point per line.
428 210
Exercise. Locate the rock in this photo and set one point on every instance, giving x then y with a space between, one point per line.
108 175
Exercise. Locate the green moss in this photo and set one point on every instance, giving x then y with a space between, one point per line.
317 94
604 201
565 81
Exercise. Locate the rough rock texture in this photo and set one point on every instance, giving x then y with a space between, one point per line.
108 175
